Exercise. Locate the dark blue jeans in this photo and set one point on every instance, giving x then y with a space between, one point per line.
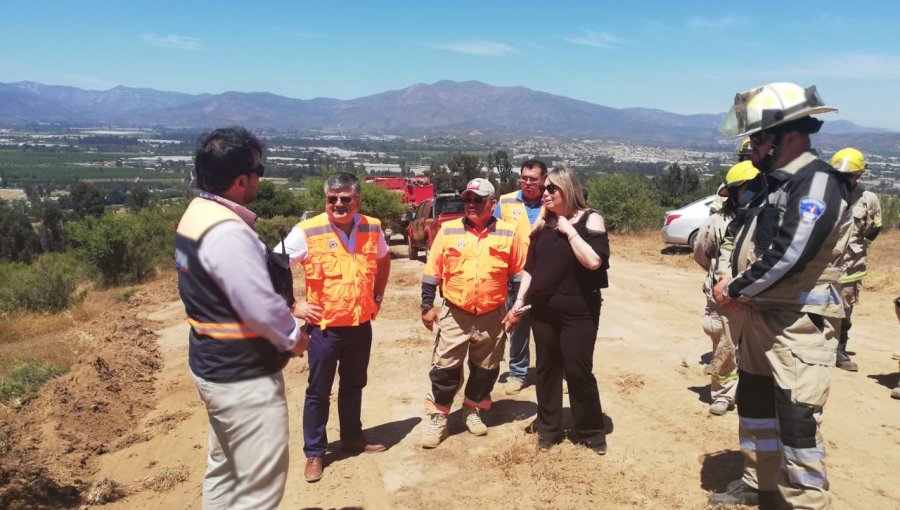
344 350
519 357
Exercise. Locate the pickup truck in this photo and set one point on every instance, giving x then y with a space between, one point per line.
427 219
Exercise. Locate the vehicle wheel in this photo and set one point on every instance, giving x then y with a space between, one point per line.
692 239
413 252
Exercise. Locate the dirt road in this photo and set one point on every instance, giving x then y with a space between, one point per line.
665 451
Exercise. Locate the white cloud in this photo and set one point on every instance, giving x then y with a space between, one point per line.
84 80
594 39
859 66
721 23
177 42
482 48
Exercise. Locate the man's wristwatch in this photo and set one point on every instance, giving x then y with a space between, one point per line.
425 307
378 298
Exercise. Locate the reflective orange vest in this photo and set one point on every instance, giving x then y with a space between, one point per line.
342 283
512 210
474 271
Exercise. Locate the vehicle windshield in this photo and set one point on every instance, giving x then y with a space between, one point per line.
449 205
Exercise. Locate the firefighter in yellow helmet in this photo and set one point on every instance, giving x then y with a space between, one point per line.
723 371
866 210
780 268
743 151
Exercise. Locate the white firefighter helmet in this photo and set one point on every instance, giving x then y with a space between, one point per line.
771 105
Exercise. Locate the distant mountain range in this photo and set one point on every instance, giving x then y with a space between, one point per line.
442 107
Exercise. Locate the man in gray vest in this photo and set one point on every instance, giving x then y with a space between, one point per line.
242 331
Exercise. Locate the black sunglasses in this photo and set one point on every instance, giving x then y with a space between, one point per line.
332 199
550 188
477 200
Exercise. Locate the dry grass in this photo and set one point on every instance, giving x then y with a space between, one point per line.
400 307
630 383
884 263
50 338
167 479
649 247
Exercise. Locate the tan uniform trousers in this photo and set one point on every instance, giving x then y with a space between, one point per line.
461 333
724 377
784 448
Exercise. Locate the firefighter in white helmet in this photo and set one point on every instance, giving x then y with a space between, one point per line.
866 210
781 269
723 371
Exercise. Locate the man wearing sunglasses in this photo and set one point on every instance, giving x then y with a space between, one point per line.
780 270
473 259
522 208
346 260
242 332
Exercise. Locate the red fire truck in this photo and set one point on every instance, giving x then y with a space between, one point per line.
412 190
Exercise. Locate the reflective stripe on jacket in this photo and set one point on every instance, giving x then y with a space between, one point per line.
787 253
222 348
342 283
512 210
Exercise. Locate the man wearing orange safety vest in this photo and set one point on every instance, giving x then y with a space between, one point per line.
472 259
242 333
522 208
347 262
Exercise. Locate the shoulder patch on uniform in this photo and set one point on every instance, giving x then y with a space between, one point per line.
811 209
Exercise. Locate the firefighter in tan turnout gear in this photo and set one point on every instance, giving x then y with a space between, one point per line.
780 268
866 210
723 373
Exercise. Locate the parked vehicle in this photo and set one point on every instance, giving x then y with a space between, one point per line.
428 218
412 190
680 226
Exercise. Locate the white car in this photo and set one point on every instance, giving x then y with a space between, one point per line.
681 225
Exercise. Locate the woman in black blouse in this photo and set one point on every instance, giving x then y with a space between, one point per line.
566 267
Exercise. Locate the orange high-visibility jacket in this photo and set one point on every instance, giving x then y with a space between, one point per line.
474 268
342 283
512 210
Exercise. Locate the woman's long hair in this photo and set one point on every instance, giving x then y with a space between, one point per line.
572 194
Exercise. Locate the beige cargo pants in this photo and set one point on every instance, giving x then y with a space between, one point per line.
785 367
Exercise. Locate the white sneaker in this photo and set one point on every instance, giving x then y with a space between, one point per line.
473 421
437 431
719 407
513 386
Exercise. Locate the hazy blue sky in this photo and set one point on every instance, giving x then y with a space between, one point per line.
683 57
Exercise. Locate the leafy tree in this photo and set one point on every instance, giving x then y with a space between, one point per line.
271 201
676 185
464 168
137 199
125 248
87 200
439 176
18 240
628 202
51 232
506 179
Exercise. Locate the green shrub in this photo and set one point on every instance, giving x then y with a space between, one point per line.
126 248
25 377
890 212
273 230
628 202
47 285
